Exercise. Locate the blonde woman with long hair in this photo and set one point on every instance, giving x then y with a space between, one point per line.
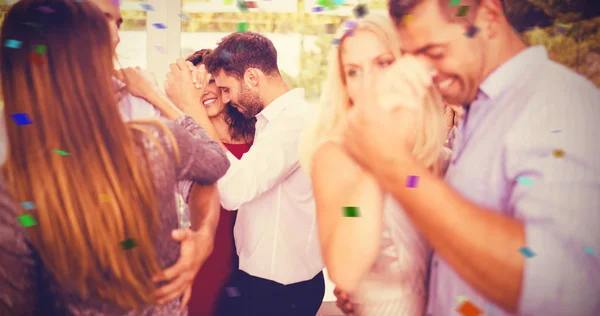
86 201
379 258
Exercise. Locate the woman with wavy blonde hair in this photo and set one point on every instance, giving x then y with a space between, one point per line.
380 259
96 205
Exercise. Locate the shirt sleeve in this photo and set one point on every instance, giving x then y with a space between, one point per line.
18 263
557 196
142 109
272 157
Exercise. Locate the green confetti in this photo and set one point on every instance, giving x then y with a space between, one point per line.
242 27
61 152
463 10
27 220
228 2
351 211
454 2
40 49
128 243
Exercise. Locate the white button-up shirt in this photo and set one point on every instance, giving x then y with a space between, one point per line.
275 231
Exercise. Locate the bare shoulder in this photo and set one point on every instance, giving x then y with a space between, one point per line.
332 164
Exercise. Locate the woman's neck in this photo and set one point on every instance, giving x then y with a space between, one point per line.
222 129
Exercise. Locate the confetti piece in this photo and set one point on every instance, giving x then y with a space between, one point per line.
159 26
241 4
13 43
21 119
329 28
242 27
318 9
225 55
232 291
468 309
454 2
335 41
128 243
40 49
228 2
339 1
28 205
146 7
556 131
350 24
61 152
461 298
351 211
589 250
184 17
472 31
558 153
407 18
160 49
526 181
463 10
36 59
251 5
360 10
116 2
104 198
527 253
46 9
27 220
412 181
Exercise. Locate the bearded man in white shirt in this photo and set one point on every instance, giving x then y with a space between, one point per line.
275 231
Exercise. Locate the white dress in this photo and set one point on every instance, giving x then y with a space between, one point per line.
396 285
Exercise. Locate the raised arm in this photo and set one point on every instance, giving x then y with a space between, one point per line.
201 159
349 244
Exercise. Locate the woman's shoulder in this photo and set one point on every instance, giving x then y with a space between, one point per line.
331 159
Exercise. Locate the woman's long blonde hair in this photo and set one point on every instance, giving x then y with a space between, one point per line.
335 102
100 195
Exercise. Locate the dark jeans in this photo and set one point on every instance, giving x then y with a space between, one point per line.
262 297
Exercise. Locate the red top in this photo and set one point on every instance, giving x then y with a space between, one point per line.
214 274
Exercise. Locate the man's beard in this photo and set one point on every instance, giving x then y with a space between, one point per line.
250 102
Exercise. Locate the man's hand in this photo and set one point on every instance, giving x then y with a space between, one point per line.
343 302
195 249
139 82
180 87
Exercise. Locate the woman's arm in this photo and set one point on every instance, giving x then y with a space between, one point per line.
349 244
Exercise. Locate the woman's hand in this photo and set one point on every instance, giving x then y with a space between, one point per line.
185 84
343 302
139 83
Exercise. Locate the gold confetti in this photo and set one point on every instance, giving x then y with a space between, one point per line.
407 18
558 153
104 197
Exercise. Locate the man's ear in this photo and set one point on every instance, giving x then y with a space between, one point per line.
252 77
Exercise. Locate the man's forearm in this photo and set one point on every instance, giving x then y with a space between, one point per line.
480 244
205 208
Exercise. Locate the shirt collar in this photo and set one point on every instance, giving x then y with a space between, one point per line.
273 109
501 78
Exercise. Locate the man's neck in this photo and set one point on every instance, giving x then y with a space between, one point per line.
276 89
510 46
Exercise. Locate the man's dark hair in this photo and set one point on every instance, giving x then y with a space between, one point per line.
240 127
239 51
398 9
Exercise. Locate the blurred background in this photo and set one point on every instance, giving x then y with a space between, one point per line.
301 30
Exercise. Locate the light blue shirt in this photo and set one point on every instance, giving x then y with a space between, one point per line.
503 159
